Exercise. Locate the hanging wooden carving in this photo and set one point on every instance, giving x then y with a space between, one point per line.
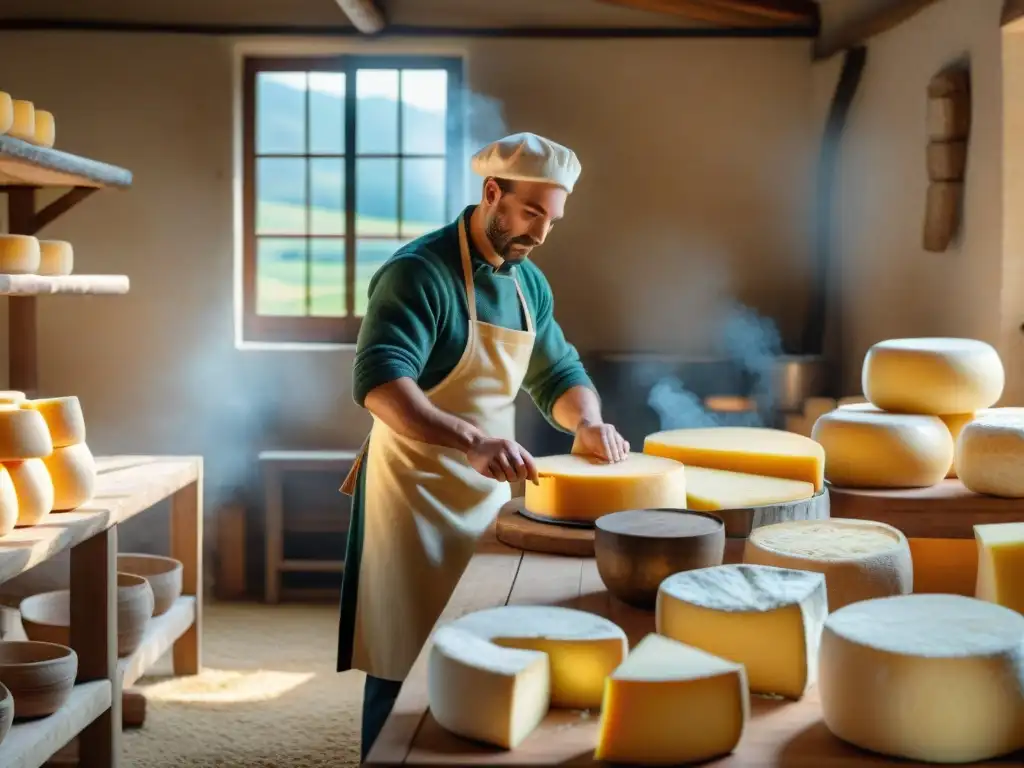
949 124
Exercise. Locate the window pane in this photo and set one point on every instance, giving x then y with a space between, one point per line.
281 276
370 254
327 196
377 111
280 112
377 197
280 195
424 108
326 113
423 196
327 278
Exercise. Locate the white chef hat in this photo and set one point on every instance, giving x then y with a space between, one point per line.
528 157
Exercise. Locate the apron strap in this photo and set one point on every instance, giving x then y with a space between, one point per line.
348 487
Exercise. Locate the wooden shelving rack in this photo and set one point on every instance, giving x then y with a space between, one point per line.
126 487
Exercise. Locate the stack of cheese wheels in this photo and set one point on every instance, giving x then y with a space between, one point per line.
20 119
70 466
25 255
24 444
738 467
921 393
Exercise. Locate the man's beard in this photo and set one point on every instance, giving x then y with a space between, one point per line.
502 242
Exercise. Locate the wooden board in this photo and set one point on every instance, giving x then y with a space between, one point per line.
943 511
782 734
25 163
82 285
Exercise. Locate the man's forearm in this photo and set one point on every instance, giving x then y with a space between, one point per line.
577 406
402 405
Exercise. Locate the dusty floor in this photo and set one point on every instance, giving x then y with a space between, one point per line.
268 696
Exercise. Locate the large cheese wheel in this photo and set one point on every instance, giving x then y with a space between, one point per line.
45 133
865 449
6 112
935 678
932 375
754 450
64 419
861 559
990 456
34 489
8 502
72 469
19 255
56 257
581 488
23 435
24 125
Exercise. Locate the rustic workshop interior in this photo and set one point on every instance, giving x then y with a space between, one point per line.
790 266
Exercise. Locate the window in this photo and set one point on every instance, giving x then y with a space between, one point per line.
345 160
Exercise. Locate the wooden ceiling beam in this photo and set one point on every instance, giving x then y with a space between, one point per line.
734 13
365 15
859 29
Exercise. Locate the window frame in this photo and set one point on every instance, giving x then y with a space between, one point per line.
345 329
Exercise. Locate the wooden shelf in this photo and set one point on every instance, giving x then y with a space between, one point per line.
82 285
25 164
160 636
30 744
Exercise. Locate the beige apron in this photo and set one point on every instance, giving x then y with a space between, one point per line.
425 508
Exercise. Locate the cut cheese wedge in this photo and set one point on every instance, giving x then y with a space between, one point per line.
754 450
990 455
1001 564
8 502
581 488
23 435
56 257
934 678
63 417
72 470
19 255
34 489
768 619
481 691
708 490
866 449
6 112
642 719
24 125
582 648
932 375
860 559
45 133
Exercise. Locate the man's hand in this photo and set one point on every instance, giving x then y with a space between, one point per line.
600 440
504 460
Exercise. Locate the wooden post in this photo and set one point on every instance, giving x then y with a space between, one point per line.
187 546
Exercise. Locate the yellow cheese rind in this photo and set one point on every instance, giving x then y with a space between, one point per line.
582 648
883 450
56 257
1001 564
63 416
34 490
23 435
19 255
990 455
708 490
581 488
753 450
860 559
24 125
6 112
72 470
8 502
481 691
640 722
934 376
768 619
934 678
45 133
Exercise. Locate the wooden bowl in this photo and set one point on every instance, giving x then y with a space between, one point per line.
163 574
6 711
39 676
638 549
46 617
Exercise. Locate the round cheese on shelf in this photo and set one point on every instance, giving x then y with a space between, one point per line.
934 678
45 132
8 502
860 559
34 489
63 417
19 255
582 648
6 112
990 456
56 257
72 470
24 125
581 488
865 449
932 375
23 435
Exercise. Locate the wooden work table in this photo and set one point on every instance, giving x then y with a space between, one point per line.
781 733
